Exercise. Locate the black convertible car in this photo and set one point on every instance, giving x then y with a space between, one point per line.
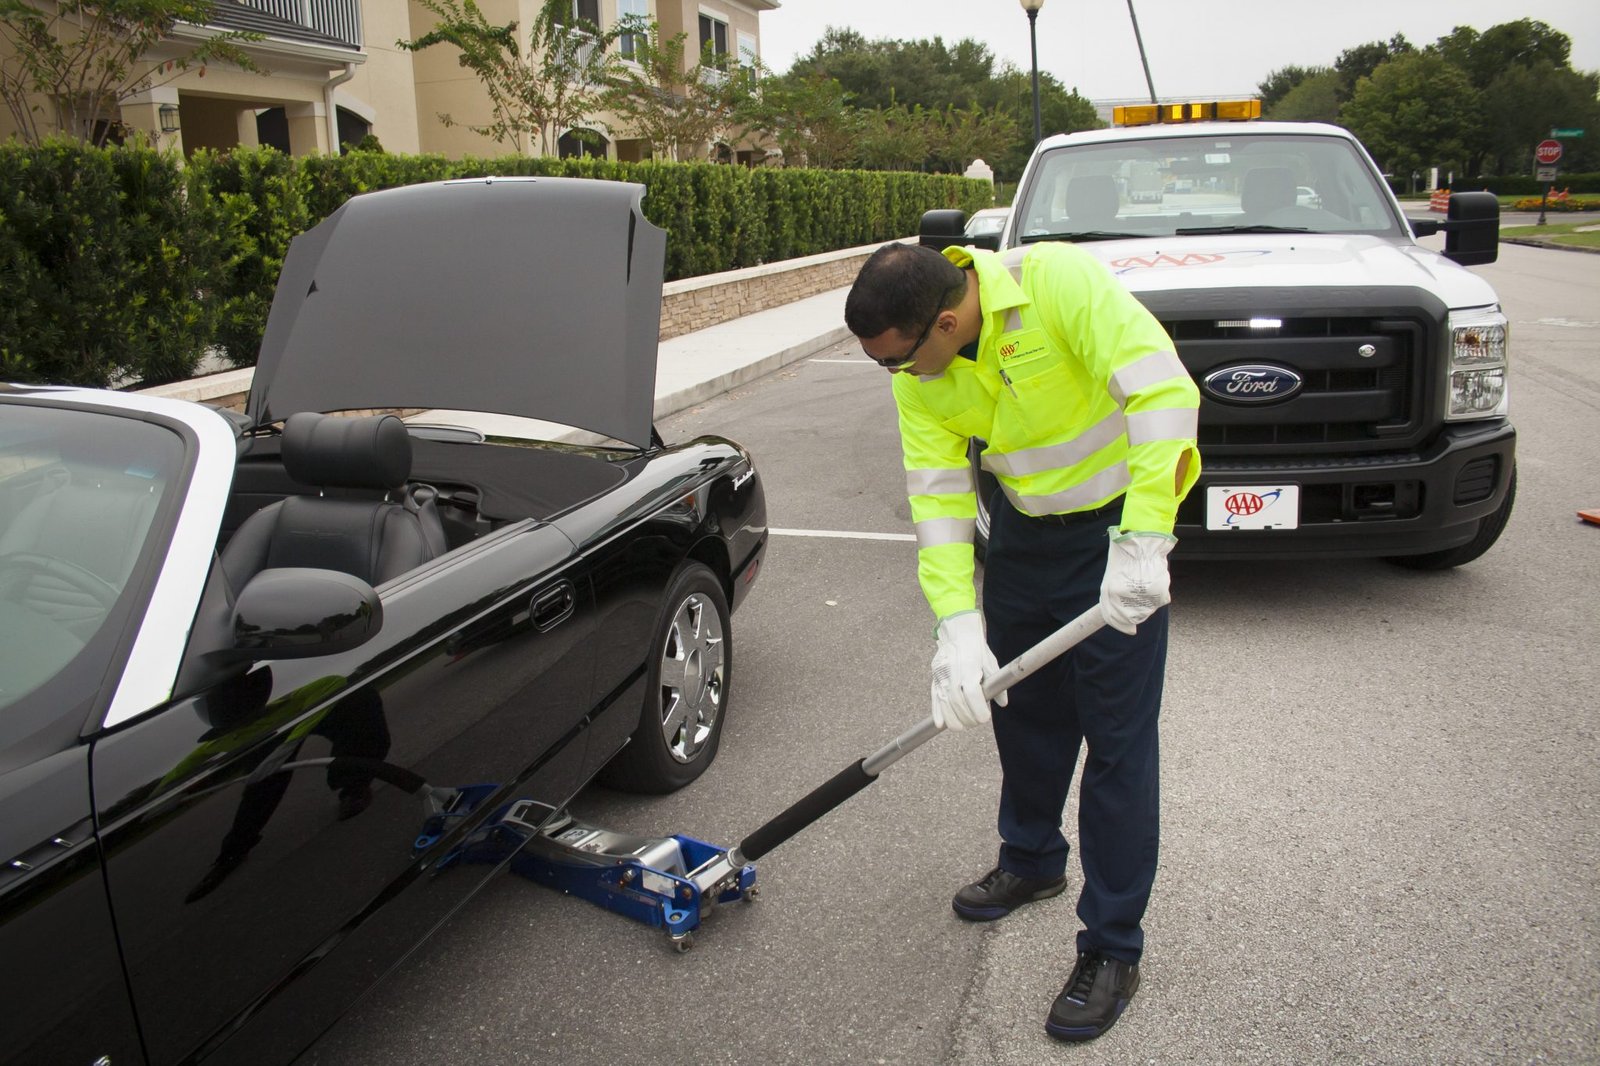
265 678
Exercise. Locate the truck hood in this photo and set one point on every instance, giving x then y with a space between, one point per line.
1300 260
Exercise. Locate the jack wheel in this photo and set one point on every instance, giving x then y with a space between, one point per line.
749 895
682 943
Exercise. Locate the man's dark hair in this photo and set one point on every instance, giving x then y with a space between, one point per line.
902 286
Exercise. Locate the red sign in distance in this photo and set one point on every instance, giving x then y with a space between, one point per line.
1548 152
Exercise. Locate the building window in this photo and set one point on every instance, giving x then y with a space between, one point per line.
747 49
637 11
582 10
581 143
714 32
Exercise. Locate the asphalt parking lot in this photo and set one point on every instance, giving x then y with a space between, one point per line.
1379 792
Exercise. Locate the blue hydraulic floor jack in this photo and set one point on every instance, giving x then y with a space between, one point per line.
673 883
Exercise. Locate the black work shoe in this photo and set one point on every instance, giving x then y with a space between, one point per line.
999 893
1095 996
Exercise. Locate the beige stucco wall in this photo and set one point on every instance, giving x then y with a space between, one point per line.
384 83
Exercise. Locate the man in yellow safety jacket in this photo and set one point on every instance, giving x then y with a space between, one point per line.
1089 420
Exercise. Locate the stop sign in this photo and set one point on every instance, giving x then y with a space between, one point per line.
1548 152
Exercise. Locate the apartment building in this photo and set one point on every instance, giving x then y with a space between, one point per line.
332 72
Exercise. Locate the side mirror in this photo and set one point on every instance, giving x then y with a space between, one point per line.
1472 228
296 613
943 227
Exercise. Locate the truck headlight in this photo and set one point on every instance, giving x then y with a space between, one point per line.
1478 362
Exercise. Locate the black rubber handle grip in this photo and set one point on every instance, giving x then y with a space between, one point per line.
822 799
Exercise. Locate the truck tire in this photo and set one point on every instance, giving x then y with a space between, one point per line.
687 683
1489 529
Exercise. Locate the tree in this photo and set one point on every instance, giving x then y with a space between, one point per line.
1278 84
65 66
1525 103
678 111
1484 57
1361 61
960 135
808 118
894 138
1314 99
538 90
933 75
1416 110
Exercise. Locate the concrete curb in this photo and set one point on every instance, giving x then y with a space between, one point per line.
680 399
1540 242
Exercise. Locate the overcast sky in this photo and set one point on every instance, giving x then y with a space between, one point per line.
1196 49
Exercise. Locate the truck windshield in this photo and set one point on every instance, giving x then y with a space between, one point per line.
1171 185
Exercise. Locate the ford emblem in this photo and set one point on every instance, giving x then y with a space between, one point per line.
1252 383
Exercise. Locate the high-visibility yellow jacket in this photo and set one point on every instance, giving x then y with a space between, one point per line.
1077 391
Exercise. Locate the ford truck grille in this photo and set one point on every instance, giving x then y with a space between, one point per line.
1362 381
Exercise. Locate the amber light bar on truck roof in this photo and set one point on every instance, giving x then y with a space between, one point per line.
1205 111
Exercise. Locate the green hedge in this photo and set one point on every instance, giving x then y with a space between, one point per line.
124 265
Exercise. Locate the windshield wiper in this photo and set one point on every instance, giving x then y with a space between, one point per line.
1082 235
1187 231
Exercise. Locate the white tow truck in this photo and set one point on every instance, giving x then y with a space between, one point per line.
1353 383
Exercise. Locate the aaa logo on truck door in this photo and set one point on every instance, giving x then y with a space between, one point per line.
1252 383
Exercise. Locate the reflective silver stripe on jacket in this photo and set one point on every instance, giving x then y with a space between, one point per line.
1108 482
939 482
1057 456
1142 373
932 532
1173 423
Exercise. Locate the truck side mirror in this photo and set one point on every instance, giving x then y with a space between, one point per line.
1472 228
945 226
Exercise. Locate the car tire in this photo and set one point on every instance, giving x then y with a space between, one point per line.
686 689
985 484
1489 529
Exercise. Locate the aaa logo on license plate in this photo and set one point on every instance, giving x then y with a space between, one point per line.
1253 507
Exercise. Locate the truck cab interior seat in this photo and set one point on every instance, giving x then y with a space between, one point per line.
1092 201
1267 189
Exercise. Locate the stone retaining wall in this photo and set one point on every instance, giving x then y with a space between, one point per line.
695 303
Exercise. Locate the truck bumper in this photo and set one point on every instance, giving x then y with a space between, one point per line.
1382 505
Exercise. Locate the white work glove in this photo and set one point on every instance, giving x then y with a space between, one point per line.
1136 584
960 664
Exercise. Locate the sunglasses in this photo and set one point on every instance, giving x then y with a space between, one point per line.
902 362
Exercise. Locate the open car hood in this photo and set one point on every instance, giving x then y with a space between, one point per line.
538 297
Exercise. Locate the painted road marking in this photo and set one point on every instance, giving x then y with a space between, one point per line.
841 534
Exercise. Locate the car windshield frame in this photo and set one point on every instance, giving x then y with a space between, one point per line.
1218 181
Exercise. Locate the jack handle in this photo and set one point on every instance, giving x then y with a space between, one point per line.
860 774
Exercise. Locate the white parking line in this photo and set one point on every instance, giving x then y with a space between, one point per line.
841 534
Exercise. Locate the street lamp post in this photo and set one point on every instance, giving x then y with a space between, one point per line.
1032 8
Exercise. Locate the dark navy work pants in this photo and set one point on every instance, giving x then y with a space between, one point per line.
1104 694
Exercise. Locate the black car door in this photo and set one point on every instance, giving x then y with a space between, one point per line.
62 992
258 888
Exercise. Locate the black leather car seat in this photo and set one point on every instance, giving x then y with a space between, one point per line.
1267 189
374 539
1092 201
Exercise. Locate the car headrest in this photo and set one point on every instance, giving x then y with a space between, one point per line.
1092 199
1267 189
356 453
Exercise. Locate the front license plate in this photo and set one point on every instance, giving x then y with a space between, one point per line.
1253 507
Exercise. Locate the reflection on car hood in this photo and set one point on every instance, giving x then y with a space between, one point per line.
1287 260
538 297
